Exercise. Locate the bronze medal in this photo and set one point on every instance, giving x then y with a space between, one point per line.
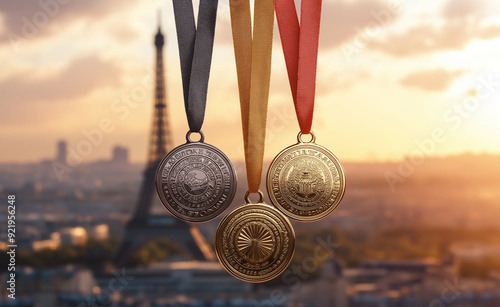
255 242
195 181
305 181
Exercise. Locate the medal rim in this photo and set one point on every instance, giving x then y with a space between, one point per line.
236 273
300 218
164 201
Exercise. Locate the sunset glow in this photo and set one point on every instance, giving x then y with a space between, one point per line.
389 74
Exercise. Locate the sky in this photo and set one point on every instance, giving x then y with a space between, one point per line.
395 79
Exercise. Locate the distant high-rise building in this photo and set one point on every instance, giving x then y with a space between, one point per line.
62 152
120 155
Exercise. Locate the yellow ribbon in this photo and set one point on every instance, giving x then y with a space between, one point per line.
253 65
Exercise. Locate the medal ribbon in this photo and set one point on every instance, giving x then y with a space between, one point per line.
195 50
300 47
253 65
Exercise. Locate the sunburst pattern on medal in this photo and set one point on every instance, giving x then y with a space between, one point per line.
255 242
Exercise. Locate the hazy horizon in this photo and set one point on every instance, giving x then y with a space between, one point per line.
343 161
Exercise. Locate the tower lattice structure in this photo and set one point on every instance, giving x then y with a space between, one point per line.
160 141
144 227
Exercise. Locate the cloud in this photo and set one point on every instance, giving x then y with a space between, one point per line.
454 35
428 38
37 19
461 22
78 79
431 80
464 8
343 20
124 34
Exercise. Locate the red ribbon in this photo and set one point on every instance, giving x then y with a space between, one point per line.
300 47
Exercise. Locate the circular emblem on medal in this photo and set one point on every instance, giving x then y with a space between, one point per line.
305 181
255 242
195 182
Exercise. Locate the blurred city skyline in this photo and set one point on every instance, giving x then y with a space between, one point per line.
407 98
390 74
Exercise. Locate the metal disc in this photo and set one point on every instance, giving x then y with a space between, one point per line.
255 242
195 182
306 182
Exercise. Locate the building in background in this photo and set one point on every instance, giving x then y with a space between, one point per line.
53 243
120 155
99 232
62 152
74 236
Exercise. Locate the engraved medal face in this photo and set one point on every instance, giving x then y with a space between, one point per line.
255 242
195 182
306 182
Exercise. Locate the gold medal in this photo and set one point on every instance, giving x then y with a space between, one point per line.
305 181
255 242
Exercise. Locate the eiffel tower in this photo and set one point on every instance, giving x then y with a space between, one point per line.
145 227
